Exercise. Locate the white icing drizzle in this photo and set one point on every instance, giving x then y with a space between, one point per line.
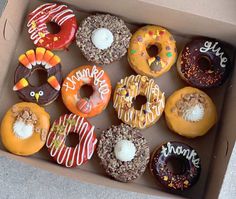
208 45
23 130
85 148
195 113
132 114
94 74
187 153
60 13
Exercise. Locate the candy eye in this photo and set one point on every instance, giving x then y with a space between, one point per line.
40 93
32 93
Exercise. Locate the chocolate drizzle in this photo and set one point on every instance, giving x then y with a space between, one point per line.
197 75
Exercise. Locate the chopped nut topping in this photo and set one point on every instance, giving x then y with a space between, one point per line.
190 102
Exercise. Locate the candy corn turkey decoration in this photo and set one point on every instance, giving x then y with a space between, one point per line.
32 60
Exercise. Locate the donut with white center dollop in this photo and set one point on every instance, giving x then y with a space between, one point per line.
190 112
103 38
24 128
124 152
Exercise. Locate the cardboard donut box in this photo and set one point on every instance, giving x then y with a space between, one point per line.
184 19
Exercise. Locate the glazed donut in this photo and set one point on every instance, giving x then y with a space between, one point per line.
124 152
213 72
190 112
86 75
71 156
24 128
39 59
181 181
103 38
127 90
138 56
52 12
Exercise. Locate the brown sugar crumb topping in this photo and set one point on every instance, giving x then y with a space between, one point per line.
25 115
191 106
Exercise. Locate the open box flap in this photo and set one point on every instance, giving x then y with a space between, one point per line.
10 27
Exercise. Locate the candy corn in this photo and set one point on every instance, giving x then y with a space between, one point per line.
20 84
54 83
47 56
40 54
24 61
53 62
31 57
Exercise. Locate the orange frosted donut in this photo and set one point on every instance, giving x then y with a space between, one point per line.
141 41
24 128
86 75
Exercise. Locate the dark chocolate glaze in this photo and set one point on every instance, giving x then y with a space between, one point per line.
172 181
200 76
49 93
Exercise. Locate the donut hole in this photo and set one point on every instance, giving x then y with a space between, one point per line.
72 139
139 101
177 165
153 50
204 62
53 27
38 77
86 91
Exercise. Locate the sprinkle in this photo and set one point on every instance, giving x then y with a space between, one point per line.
169 54
123 92
41 34
150 33
158 58
133 51
165 178
168 48
139 38
162 32
186 182
33 24
41 41
55 38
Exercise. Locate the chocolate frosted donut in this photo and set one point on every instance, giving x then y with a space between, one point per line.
123 152
203 63
103 38
190 173
39 59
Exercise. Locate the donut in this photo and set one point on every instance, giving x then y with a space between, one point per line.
152 65
190 112
39 59
94 76
103 38
24 128
71 156
187 156
203 63
123 152
127 90
47 13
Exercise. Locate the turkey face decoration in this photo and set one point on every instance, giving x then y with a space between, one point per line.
29 62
